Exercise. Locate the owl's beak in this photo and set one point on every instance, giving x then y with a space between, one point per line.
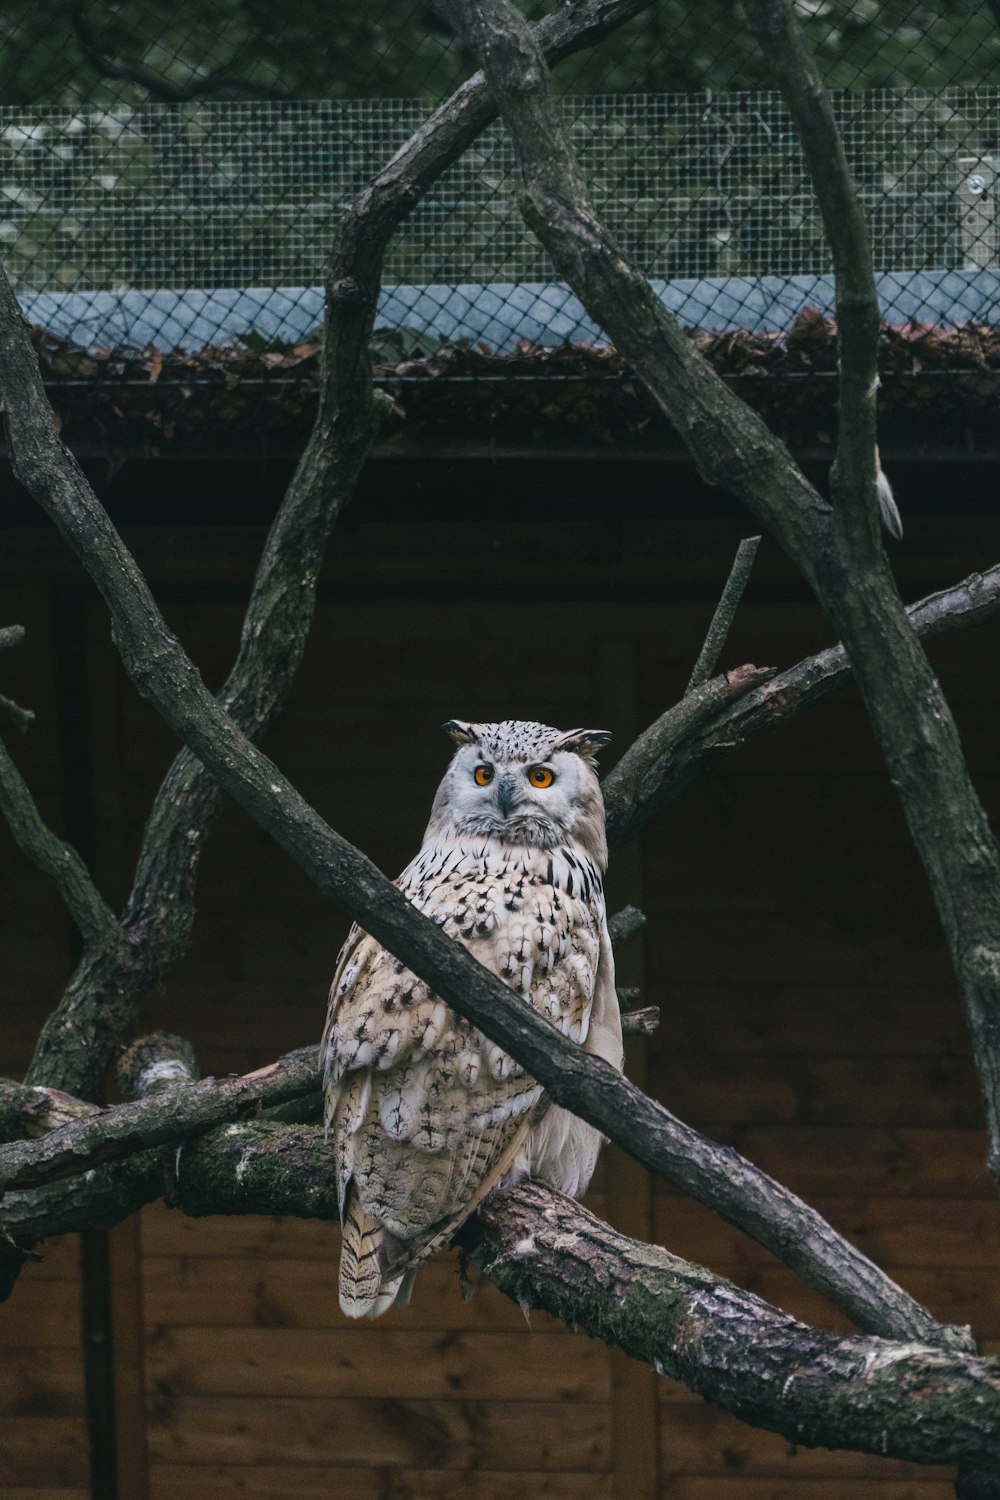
506 795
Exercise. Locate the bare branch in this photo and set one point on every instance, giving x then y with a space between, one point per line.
635 783
624 925
184 1110
94 919
725 611
23 718
28 1112
644 1022
155 1064
679 748
774 25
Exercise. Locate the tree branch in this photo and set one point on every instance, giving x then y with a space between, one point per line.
725 611
820 1389
94 919
11 636
853 479
679 747
163 1116
21 718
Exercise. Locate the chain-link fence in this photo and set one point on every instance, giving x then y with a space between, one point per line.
167 195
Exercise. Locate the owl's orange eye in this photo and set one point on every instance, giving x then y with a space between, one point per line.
540 776
483 775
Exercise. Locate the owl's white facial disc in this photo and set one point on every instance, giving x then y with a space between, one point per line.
514 782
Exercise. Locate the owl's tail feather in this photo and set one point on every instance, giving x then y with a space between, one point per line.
363 1293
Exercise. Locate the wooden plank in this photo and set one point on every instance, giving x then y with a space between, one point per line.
750 876
129 1360
47 1315
904 1233
378 1363
706 1440
633 1384
790 806
319 1482
808 1019
207 1291
40 1381
34 1493
44 1452
777 949
740 1487
786 1089
500 1436
58 1260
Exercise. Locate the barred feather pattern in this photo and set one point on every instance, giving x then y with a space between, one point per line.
425 1113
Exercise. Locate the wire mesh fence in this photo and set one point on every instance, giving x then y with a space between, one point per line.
140 213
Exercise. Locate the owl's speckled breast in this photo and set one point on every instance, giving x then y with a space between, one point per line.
521 902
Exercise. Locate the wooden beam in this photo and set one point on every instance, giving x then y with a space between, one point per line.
630 1202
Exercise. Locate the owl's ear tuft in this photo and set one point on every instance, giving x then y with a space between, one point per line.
587 743
461 732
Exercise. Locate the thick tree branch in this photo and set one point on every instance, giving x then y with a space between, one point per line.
21 718
27 1111
820 1389
911 719
624 925
636 782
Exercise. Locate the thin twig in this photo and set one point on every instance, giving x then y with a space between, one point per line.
94 919
10 636
725 611
624 925
23 718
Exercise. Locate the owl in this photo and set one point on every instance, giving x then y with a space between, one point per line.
425 1115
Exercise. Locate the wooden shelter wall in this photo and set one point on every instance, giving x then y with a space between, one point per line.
43 1428
809 1018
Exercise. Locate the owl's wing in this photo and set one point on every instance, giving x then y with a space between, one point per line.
426 1113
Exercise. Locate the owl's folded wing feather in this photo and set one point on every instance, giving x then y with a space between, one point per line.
425 1112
